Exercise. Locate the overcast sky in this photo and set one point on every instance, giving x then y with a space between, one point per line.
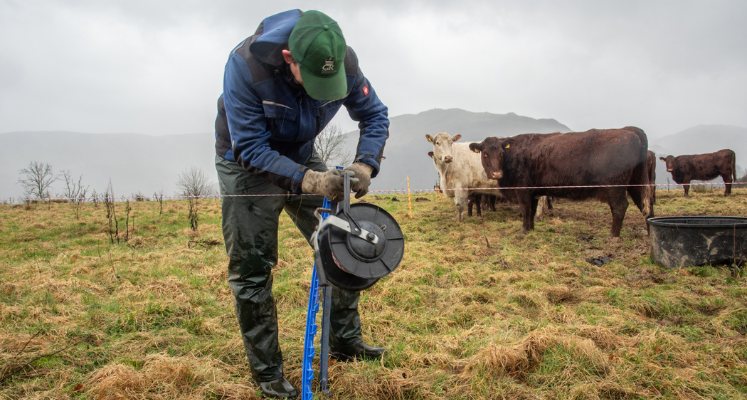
156 67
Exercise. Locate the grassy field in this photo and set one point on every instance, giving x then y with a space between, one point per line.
474 311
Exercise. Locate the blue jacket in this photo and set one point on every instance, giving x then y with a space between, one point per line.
267 123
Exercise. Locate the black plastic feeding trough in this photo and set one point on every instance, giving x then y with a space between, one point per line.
689 241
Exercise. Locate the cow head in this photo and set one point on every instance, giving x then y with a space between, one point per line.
670 162
491 151
442 146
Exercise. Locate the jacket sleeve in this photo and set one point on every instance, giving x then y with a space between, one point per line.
248 129
364 106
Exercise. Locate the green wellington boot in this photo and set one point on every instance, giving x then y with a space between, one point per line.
360 351
278 389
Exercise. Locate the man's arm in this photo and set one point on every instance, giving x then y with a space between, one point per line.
248 128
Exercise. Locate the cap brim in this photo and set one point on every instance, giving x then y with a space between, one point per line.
327 88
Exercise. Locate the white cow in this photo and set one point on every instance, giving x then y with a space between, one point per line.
459 168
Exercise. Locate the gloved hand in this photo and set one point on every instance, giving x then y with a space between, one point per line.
363 172
330 184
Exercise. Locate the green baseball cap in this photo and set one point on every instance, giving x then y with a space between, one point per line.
317 45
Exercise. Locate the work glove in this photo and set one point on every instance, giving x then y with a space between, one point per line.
330 184
362 171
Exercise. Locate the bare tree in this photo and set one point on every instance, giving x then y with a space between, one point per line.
158 196
111 213
75 193
36 180
193 183
330 145
139 196
95 198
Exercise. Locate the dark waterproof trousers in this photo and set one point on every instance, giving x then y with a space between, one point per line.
250 231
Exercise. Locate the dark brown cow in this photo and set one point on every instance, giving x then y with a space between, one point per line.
703 167
591 158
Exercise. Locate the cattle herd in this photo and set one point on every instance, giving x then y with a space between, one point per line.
604 164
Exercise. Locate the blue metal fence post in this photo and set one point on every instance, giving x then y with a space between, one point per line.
308 348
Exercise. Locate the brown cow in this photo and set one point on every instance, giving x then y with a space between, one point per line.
591 158
703 167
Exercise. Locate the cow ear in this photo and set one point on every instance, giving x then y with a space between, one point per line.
662 159
429 137
476 147
507 145
430 153
456 137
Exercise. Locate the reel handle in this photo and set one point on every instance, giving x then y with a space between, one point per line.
321 275
346 203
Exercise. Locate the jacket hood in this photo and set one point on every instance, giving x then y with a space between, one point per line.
272 35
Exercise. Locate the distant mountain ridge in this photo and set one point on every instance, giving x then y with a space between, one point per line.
138 163
134 162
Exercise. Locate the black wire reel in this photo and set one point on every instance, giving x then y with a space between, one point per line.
357 246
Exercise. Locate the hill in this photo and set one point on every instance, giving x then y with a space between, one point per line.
147 164
134 162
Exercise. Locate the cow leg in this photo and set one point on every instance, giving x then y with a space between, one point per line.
470 203
524 199
535 203
642 194
490 199
445 186
686 185
618 203
638 194
460 200
478 204
727 183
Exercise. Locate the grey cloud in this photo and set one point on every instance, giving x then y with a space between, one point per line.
156 67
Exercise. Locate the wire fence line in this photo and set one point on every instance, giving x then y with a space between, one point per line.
139 197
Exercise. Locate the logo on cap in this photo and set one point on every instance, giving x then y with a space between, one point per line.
329 66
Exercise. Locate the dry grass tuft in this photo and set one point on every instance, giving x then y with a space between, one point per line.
384 384
166 377
559 294
117 381
500 361
519 360
602 337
